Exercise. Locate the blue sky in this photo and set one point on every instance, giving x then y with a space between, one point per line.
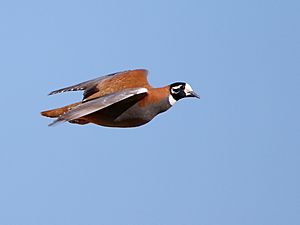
230 158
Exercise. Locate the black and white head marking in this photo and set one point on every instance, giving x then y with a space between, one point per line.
180 90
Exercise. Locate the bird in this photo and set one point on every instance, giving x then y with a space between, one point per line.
123 99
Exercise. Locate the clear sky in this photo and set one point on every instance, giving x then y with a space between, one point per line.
230 158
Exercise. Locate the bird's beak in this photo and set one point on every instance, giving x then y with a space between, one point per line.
193 94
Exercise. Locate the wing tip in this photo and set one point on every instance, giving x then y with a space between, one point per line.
56 92
66 90
52 93
55 122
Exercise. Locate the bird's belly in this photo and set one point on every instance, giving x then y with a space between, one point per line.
127 113
116 117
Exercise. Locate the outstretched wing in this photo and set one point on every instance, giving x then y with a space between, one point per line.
108 84
99 103
82 86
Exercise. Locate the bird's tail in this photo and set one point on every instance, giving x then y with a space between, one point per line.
53 113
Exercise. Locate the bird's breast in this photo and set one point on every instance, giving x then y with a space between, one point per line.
154 103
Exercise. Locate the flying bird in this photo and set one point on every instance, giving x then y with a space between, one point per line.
122 99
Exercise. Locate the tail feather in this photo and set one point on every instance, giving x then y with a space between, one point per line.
53 113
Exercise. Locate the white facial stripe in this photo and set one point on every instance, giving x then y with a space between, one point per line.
172 101
188 89
177 87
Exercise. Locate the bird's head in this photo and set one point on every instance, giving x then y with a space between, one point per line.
180 90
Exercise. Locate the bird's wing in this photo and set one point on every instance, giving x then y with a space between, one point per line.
82 86
99 103
108 84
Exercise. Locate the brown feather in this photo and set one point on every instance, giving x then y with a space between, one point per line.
122 81
155 95
53 113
